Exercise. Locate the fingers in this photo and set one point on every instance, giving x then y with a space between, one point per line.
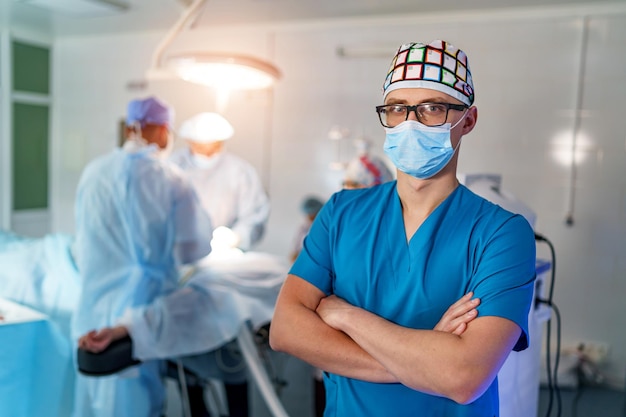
459 314
100 335
83 341
463 306
460 329
95 341
462 300
459 324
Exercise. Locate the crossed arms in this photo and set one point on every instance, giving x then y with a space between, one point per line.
458 359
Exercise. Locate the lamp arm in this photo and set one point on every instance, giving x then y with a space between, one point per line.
185 19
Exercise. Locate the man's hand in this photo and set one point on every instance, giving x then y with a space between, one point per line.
224 239
331 308
97 341
458 315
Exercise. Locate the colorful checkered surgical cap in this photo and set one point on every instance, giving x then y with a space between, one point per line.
437 66
150 110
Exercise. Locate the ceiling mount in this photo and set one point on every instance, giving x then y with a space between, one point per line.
222 70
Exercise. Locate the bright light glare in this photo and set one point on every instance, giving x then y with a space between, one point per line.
229 76
225 72
207 127
562 151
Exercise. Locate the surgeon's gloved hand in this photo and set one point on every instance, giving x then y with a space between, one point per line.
224 244
224 239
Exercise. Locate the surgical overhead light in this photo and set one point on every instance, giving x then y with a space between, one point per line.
229 71
224 71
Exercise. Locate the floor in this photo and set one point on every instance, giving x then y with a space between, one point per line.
585 402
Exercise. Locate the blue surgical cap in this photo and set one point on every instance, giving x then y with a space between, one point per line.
150 110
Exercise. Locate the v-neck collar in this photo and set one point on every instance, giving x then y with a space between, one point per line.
401 249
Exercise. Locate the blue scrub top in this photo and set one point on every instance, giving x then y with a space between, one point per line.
357 249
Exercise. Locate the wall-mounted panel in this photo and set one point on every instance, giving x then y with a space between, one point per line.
30 156
31 68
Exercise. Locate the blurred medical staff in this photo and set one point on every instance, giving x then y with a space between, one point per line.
310 206
365 170
231 191
137 218
228 187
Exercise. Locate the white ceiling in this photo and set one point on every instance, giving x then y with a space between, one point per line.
161 14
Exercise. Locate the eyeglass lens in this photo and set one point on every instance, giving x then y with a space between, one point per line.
430 114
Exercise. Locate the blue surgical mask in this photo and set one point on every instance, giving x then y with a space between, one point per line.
419 150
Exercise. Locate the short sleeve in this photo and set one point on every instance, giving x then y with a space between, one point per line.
505 275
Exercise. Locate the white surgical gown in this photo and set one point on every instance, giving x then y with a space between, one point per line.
231 191
210 309
136 216
38 273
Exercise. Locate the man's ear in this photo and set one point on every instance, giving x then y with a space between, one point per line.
470 120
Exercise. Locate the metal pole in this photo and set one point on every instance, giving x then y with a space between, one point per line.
251 356
569 217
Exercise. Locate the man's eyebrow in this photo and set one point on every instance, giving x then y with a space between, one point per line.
396 101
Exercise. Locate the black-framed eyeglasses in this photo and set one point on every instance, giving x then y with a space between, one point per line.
429 114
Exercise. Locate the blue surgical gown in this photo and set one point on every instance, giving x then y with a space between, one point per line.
136 218
357 249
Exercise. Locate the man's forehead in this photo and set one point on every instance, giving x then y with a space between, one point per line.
419 95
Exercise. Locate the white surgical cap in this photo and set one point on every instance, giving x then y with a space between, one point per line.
206 128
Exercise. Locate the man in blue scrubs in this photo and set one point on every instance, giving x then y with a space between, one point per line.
381 265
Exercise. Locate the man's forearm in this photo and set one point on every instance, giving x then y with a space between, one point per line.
459 367
300 332
417 358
